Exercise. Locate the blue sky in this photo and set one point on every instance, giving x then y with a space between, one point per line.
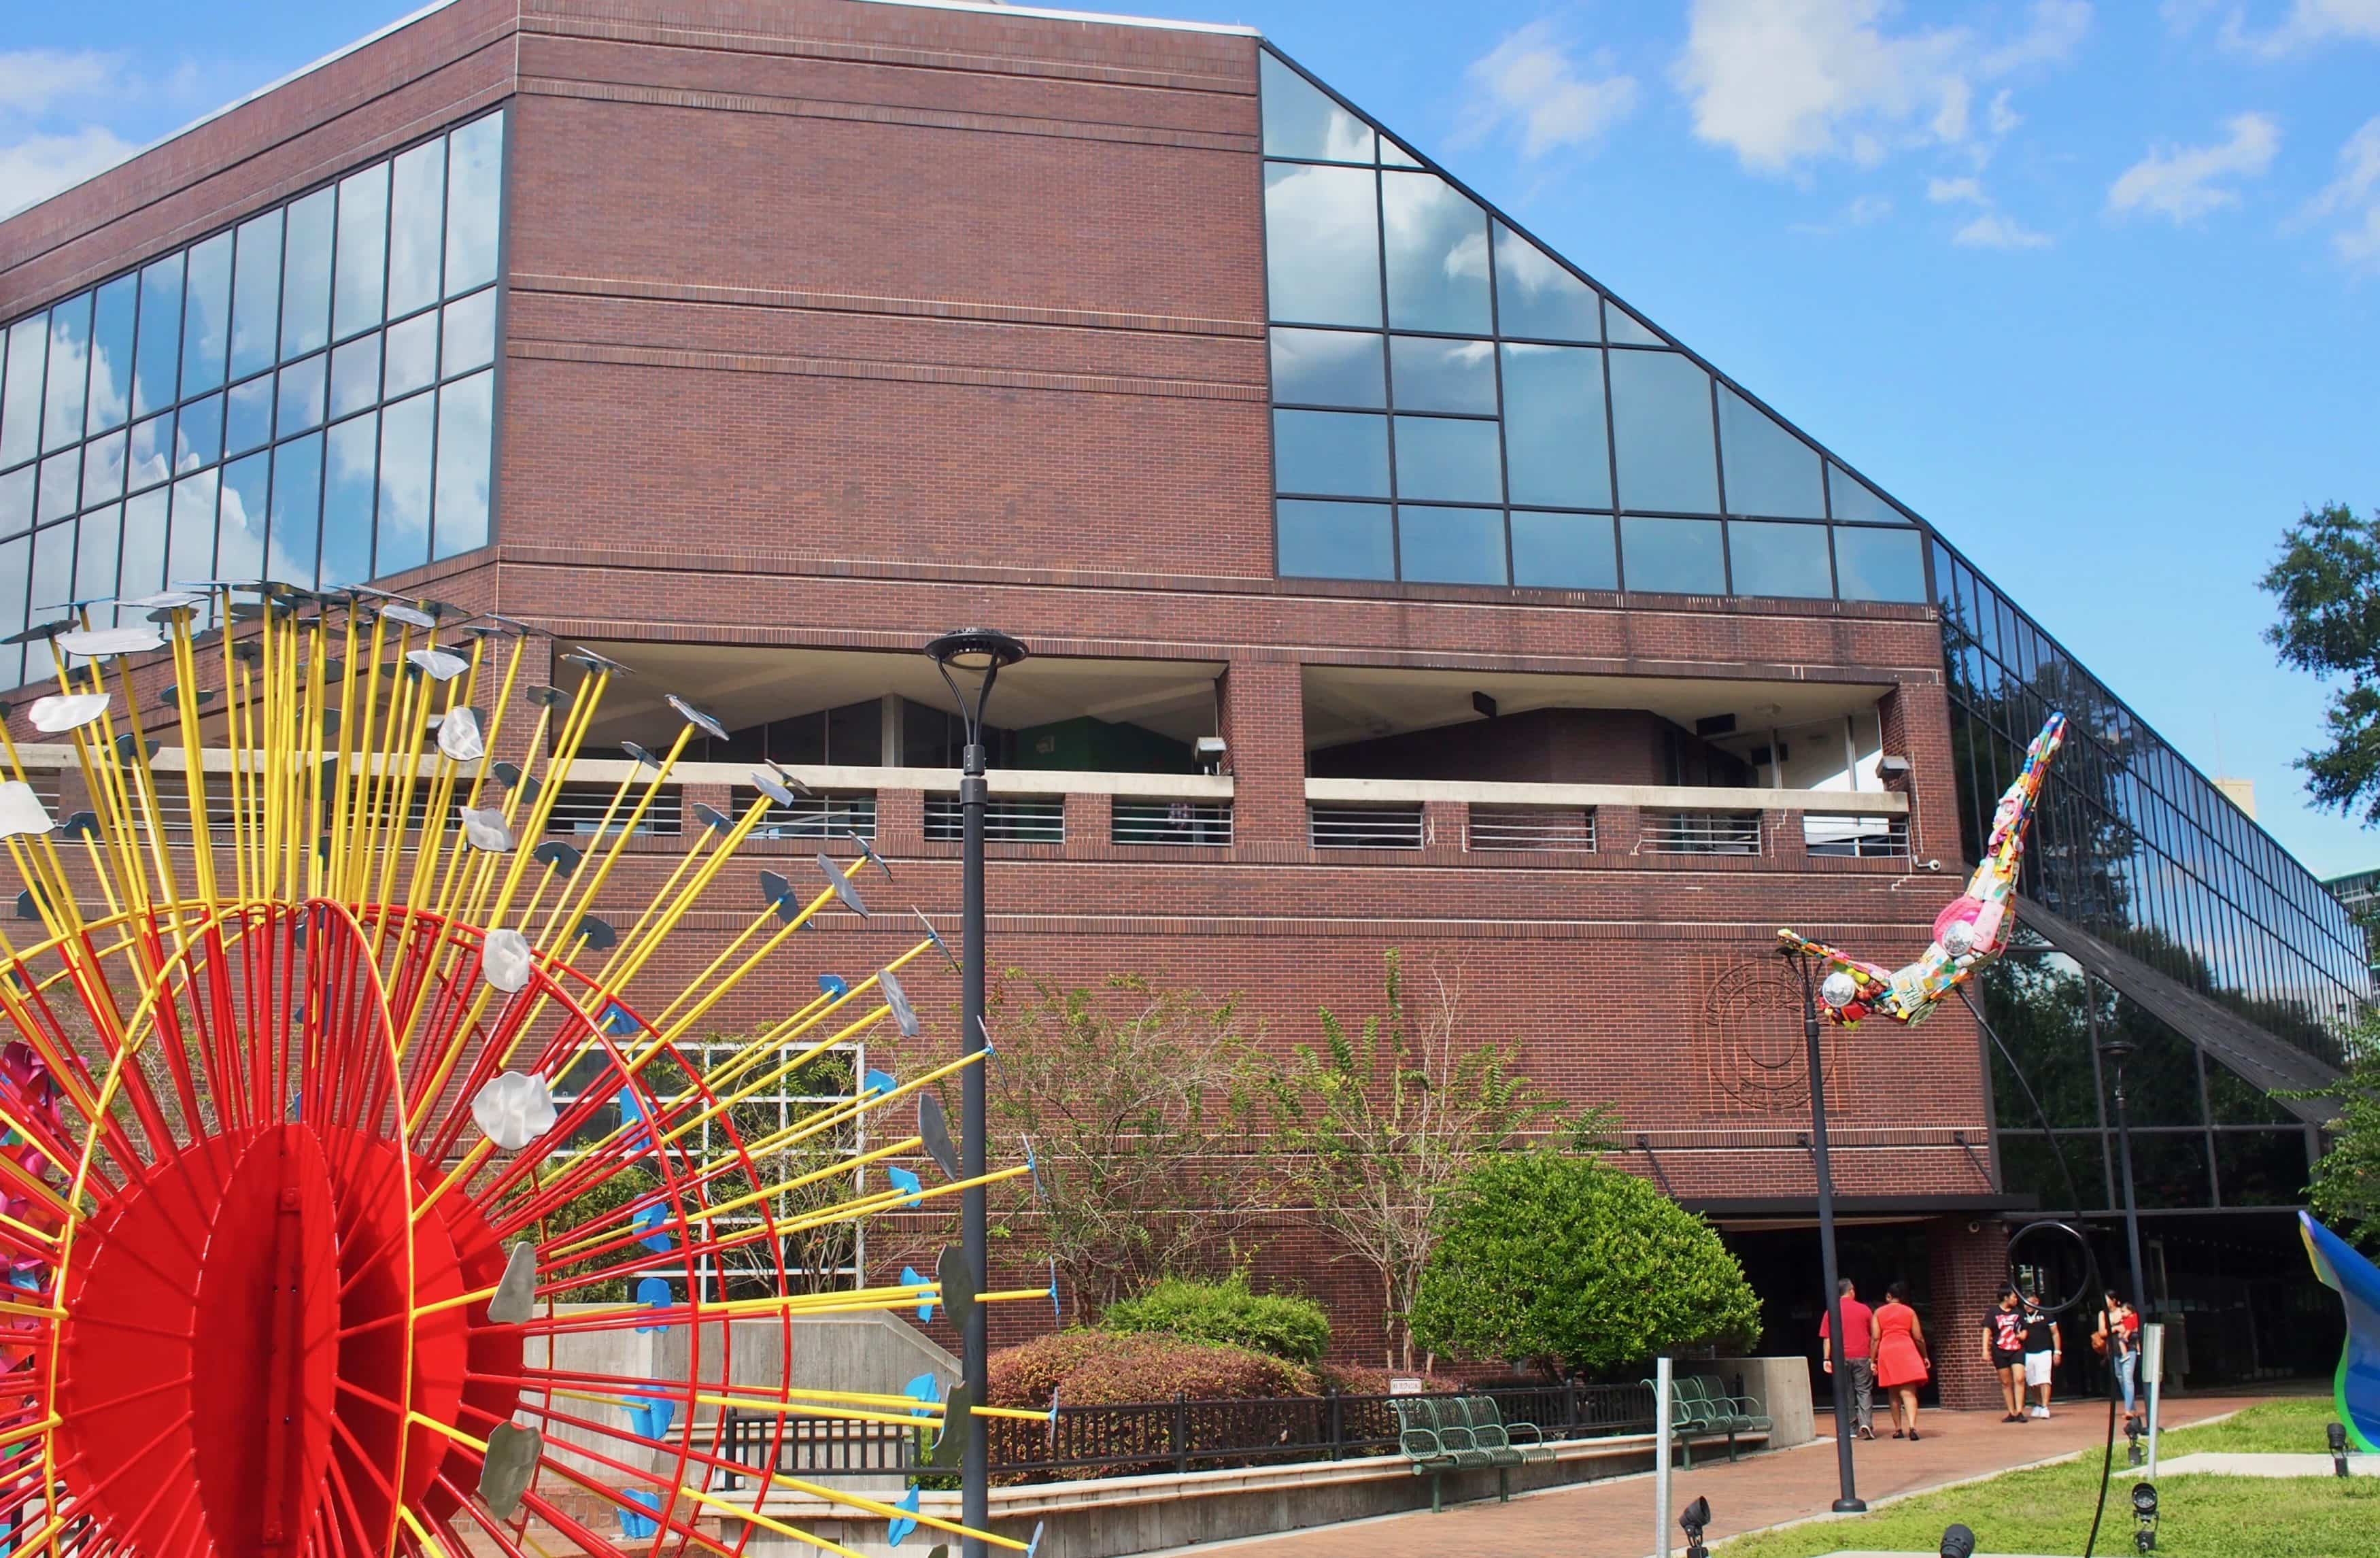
2095 288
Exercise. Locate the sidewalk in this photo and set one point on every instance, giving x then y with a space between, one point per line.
1614 1519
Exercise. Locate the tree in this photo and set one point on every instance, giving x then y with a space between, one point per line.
1375 1126
2327 584
2345 1192
1568 1261
1138 1100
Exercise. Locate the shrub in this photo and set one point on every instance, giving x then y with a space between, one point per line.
1225 1311
1569 1260
1093 1369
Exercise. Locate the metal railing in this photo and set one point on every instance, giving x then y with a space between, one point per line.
1024 819
1865 838
1568 830
1171 822
1701 832
1365 827
814 1447
580 805
825 814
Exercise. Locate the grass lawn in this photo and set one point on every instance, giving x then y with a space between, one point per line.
2048 1510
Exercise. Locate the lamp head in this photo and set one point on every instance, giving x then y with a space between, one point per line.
974 650
2338 1432
1696 1517
2118 1047
2144 1500
1958 1542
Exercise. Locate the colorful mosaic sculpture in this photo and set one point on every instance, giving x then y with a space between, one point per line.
2356 1386
348 1148
1968 936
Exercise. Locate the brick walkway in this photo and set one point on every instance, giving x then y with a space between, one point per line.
1614 1519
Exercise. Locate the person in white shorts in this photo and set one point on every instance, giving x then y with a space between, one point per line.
2043 1352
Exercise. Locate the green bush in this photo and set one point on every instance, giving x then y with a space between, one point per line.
1225 1311
1570 1261
1094 1368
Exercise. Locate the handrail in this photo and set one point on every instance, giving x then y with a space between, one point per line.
1679 797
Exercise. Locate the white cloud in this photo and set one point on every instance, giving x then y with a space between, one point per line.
1948 191
1529 84
2355 194
1785 82
32 79
2310 22
38 166
1995 230
1867 209
2186 182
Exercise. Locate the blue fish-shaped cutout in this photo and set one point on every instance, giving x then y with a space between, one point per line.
908 1184
650 1417
909 1278
924 1388
635 1525
648 1219
902 1525
631 1110
878 1082
653 1293
834 985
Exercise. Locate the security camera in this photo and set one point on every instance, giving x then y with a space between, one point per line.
1931 865
1211 753
1974 1227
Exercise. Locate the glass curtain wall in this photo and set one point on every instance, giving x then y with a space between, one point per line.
1453 404
308 397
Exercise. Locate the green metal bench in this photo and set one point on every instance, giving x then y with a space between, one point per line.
1694 1415
1490 1430
1436 1437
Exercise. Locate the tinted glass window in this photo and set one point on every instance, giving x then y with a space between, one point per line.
1563 551
1323 254
113 316
1436 242
102 468
1450 546
474 192
52 583
1768 471
255 296
1536 294
1328 368
1855 500
306 274
350 462
416 227
60 484
1335 452
410 356
1301 121
98 535
468 339
154 374
206 315
362 251
297 516
302 388
142 560
1440 457
197 435
1661 434
1429 373
1676 556
355 375
1335 539
403 529
1779 559
1625 329
248 415
1879 564
68 374
16 500
241 516
1555 442
20 410
465 433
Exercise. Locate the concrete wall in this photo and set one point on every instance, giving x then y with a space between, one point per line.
1781 1386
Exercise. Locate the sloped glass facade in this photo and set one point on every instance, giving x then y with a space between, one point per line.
308 395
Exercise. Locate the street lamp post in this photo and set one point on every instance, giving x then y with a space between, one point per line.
2115 1049
1849 1502
979 654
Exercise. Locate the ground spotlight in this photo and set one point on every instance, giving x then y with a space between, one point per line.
2145 1514
1696 1517
1958 1542
2135 1432
2339 1448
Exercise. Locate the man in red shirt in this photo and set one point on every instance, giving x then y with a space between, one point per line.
1859 1336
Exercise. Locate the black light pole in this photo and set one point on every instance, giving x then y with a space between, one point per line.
979 654
1849 1501
2115 1051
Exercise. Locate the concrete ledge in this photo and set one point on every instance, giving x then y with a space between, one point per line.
2243 1463
1108 1516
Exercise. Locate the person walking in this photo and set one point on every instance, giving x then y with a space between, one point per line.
1902 1360
2043 1351
2118 1339
1859 1357
2004 1353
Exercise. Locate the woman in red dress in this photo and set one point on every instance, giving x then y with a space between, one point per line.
1897 1344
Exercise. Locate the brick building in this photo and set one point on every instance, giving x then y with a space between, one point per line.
752 343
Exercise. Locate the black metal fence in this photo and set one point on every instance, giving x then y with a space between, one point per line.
1180 1436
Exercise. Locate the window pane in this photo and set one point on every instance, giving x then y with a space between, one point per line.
1879 564
103 469
475 160
416 207
1779 559
1456 460
206 315
1450 546
161 336
296 510
1768 471
13 565
1437 254
248 415
470 334
144 543
1563 551
1322 244
301 396
1300 120
190 546
412 355
16 500
1536 295
255 296
240 527
152 456
348 465
1854 499
111 353
305 276
1334 540
402 535
1661 434
464 445
1556 446
21 412
1677 556
198 437
1394 155
95 554
1327 368
363 250
1429 374
355 374
2261 1168
1331 452
68 373
1626 329
2170 1171
53 585
61 484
